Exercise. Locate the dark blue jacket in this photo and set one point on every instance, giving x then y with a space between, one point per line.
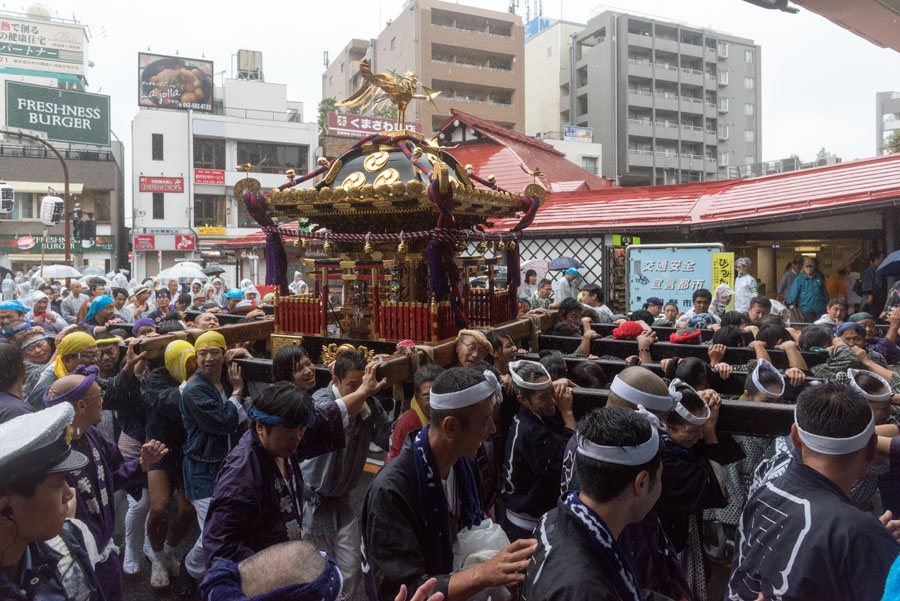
212 428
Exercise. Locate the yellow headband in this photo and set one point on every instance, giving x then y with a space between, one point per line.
210 340
72 344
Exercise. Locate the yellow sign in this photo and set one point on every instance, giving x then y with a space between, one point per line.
723 272
211 231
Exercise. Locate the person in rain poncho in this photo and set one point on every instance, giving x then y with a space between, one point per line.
744 285
721 298
42 315
19 277
196 286
23 292
298 286
209 296
8 287
219 287
251 294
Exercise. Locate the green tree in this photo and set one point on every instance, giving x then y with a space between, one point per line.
326 105
386 111
893 143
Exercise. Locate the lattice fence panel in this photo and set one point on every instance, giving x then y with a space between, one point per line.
587 250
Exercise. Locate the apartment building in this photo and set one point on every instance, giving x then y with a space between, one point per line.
887 118
669 103
473 56
547 44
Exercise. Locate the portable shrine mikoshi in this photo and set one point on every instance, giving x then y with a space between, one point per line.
395 211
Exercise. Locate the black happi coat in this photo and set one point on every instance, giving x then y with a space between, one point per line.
566 565
801 539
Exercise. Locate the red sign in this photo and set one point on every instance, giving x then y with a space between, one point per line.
161 184
358 126
209 176
184 242
144 242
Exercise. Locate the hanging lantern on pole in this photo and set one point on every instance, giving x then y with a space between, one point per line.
52 210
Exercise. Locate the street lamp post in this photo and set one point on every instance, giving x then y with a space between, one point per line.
66 181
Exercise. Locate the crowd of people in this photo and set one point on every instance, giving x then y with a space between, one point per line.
494 486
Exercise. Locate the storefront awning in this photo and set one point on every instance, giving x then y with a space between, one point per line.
49 258
63 77
41 187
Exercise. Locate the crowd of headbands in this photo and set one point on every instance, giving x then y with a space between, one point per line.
491 488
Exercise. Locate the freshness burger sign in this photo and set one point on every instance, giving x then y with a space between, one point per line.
63 115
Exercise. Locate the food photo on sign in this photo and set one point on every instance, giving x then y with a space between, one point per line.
175 82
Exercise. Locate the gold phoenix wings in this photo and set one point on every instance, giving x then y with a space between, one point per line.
380 88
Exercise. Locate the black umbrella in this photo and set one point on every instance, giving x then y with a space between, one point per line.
213 269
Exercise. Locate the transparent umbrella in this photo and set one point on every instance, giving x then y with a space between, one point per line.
58 272
182 271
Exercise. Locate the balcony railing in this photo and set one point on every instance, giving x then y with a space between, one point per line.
470 66
286 117
39 152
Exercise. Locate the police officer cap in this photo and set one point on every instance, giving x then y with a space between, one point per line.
39 444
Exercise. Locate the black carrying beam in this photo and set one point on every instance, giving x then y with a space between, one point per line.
665 350
663 332
734 385
735 417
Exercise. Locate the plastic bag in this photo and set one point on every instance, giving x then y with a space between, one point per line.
476 545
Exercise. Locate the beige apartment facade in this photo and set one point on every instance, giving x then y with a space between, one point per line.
473 56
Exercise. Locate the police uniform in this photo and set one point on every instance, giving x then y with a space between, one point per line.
62 568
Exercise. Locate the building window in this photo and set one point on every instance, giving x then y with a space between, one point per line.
723 132
723 159
273 158
331 80
549 51
209 153
159 206
394 43
26 202
749 109
101 207
209 210
589 164
749 159
157 147
342 67
748 56
723 105
243 217
749 135
749 83
723 49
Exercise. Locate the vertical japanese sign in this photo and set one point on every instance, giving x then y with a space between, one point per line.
723 272
671 273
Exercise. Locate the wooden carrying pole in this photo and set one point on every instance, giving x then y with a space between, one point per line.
233 334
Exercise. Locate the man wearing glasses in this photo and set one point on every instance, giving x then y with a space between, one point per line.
79 348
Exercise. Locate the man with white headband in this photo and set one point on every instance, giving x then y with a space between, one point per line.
800 537
534 449
421 499
646 544
578 556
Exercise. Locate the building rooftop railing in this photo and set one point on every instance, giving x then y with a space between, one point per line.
286 117
40 152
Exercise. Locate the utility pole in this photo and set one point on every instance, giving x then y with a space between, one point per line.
67 199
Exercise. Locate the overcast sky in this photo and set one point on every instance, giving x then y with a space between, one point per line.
818 80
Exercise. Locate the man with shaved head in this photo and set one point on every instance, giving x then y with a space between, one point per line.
652 555
207 321
106 472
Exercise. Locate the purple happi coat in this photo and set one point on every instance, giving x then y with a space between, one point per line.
95 484
253 506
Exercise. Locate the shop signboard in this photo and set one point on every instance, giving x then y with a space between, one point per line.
145 242
670 272
211 231
42 46
209 176
575 133
723 273
175 82
63 115
620 240
161 184
30 244
358 126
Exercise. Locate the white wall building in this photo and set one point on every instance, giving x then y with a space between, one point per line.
587 155
547 45
252 122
